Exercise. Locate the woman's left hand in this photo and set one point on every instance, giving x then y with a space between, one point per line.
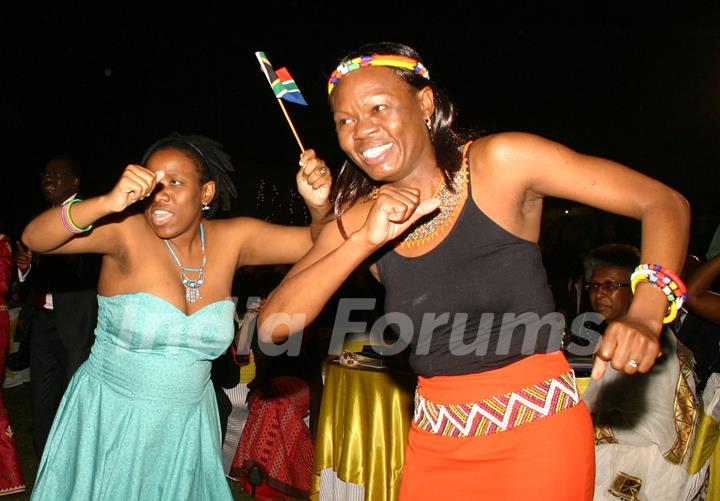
629 345
314 181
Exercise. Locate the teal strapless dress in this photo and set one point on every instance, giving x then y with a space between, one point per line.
139 420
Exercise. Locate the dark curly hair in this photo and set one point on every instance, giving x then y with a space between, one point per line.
212 163
615 254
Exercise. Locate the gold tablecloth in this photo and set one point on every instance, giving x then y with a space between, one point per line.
707 446
582 383
363 425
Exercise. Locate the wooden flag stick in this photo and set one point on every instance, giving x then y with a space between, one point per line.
292 127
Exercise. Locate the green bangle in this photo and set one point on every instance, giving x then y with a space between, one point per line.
68 220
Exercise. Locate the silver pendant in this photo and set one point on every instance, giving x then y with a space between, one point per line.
192 287
191 294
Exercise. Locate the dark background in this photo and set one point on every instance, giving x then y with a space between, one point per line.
636 84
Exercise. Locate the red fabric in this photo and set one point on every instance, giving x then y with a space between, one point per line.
276 442
552 458
6 268
11 480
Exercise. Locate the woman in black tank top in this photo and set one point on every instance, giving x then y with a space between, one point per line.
450 226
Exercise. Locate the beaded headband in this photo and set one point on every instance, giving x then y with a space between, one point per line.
356 63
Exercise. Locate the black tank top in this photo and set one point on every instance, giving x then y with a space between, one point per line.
478 301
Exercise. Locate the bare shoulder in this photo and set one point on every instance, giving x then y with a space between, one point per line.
241 228
253 241
504 146
231 232
236 224
517 155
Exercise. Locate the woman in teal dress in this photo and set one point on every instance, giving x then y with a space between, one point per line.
139 420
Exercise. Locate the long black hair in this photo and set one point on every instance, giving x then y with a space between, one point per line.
352 183
212 162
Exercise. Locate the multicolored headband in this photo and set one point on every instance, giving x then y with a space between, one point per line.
356 63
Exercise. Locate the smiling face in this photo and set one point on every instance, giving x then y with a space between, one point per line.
380 123
611 304
176 205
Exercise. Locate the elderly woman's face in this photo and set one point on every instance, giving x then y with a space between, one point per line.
609 291
379 120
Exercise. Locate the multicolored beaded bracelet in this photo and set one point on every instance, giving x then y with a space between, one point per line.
68 220
391 60
665 280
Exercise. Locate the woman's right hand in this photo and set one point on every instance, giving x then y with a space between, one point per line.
394 211
136 183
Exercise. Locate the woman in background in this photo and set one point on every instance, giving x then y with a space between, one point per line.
11 480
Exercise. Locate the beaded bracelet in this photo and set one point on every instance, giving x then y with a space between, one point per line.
68 220
665 280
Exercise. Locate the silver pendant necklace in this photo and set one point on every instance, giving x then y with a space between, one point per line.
192 287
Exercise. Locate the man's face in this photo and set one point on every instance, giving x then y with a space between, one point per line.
58 181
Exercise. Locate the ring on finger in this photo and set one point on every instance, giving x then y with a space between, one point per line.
633 363
323 171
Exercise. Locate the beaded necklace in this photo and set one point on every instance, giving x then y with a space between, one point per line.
192 287
449 208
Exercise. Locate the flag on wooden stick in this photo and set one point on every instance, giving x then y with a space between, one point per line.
284 87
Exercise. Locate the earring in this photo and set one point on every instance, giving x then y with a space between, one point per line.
206 207
428 123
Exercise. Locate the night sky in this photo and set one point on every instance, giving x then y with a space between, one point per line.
640 87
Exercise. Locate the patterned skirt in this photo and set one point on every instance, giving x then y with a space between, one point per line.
515 433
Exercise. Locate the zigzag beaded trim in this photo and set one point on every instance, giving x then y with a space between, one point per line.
499 413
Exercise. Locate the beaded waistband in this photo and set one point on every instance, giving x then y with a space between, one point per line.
499 413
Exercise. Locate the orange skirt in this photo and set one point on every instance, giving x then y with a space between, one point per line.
551 458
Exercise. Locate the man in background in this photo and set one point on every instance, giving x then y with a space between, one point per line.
63 293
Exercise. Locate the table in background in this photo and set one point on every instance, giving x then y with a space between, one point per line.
582 367
362 432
